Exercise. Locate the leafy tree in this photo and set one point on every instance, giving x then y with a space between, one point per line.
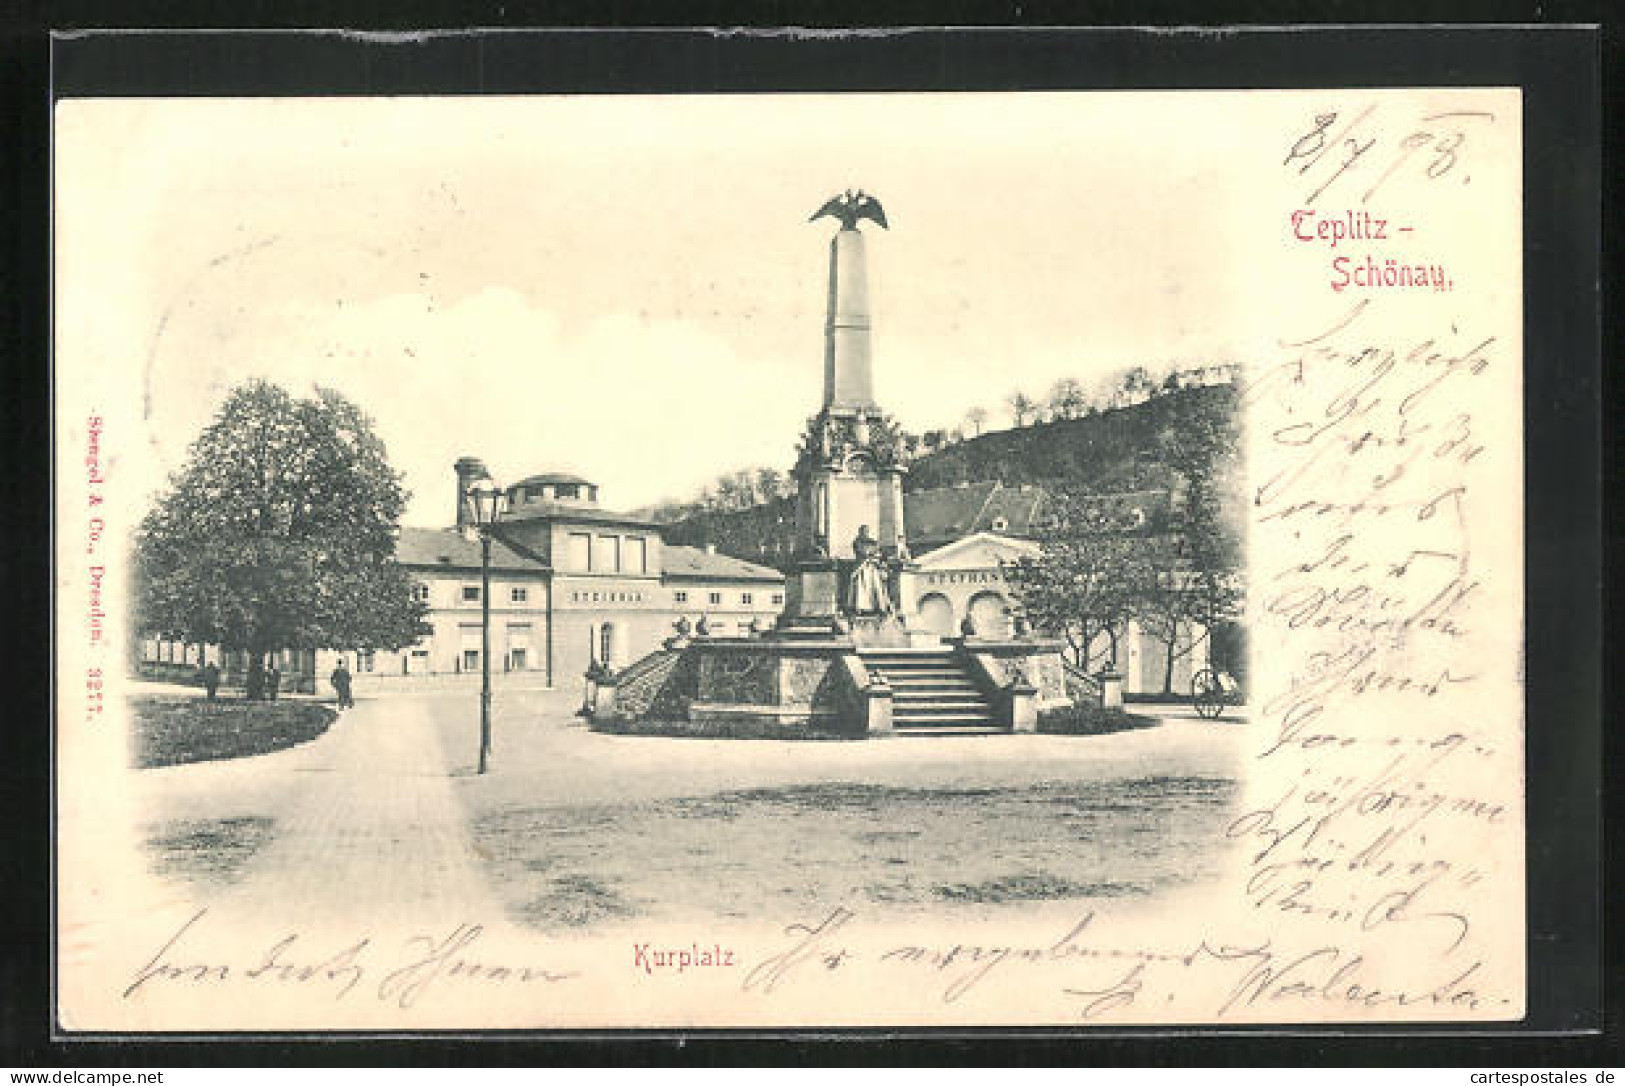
1067 399
1137 384
1196 582
772 484
278 533
1086 581
1022 408
1169 605
736 490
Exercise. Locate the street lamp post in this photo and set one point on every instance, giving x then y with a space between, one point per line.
487 500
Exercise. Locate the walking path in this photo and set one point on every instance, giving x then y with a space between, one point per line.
372 827
369 904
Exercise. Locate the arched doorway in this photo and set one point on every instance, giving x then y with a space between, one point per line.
937 614
989 614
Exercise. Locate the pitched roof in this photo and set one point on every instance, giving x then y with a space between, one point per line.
938 516
946 512
691 563
984 549
448 548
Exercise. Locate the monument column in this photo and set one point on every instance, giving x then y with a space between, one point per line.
847 379
849 468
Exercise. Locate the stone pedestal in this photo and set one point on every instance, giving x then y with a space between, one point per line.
602 701
812 598
1111 690
1023 707
878 710
878 632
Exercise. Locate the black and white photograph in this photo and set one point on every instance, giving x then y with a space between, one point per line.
788 561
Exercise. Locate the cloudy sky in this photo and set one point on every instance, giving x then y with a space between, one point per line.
628 287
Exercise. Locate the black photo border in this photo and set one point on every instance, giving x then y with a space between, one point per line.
1558 68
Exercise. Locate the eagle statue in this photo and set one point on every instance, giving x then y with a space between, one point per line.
851 206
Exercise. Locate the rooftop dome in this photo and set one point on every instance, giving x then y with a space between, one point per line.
552 478
552 488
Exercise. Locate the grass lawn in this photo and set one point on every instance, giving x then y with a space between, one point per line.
175 730
211 852
770 851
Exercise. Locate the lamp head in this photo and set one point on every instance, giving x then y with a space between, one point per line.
487 502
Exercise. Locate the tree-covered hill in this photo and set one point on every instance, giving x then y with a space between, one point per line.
1112 451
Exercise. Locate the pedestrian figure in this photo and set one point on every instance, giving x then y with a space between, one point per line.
273 680
341 683
211 679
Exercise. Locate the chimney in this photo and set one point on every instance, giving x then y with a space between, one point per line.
470 470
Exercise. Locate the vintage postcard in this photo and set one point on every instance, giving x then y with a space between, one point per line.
789 561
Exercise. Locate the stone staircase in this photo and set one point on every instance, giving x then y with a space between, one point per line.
932 693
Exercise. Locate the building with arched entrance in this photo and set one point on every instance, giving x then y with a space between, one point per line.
965 579
964 537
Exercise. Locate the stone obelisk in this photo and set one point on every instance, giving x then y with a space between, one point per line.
849 469
848 379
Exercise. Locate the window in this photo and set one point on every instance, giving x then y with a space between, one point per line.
778 598
716 599
635 551
580 551
518 594
420 592
567 490
606 554
471 593
744 598
679 596
364 661
471 659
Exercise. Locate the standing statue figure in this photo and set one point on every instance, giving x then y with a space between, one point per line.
866 593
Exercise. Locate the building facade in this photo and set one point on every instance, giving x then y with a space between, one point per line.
965 536
571 583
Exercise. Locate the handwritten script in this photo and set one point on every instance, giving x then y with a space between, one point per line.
1385 743
399 974
1096 974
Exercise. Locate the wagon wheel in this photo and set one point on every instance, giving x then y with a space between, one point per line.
1207 695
